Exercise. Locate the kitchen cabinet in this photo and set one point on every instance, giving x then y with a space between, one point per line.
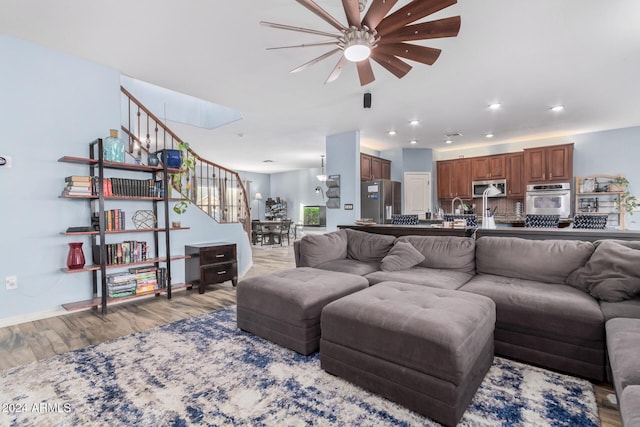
372 167
515 175
454 178
548 164
488 167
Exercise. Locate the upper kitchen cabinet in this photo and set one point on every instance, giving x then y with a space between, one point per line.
548 164
488 167
372 167
454 178
515 175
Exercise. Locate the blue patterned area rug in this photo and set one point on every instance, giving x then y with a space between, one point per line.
204 371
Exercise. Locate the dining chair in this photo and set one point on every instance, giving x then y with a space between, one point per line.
541 221
256 232
282 231
404 219
591 221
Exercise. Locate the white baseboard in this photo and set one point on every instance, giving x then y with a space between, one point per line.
30 317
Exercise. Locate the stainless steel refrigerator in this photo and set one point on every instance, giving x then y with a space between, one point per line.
379 199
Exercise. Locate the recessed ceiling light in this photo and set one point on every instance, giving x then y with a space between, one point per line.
414 122
495 106
392 132
488 135
448 141
413 141
557 108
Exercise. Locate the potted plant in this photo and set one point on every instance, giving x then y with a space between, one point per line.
182 180
628 201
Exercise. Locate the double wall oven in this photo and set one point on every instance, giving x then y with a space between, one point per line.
549 199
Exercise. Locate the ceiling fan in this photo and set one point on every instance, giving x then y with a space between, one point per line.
378 36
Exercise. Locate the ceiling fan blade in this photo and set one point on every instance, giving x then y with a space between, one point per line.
377 11
302 45
447 27
336 70
309 4
352 10
394 65
315 60
299 29
413 11
365 72
423 54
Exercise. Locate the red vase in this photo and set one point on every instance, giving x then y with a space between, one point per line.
75 259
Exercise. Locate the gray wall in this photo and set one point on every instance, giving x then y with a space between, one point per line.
53 105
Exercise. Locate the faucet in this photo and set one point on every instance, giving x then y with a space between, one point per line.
453 205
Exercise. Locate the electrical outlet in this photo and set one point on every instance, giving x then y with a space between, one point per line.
11 282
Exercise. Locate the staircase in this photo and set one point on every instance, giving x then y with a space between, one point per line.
216 190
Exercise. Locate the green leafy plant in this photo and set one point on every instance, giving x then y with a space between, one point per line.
182 180
628 201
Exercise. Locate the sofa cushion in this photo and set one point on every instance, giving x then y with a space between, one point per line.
623 342
445 252
402 256
432 277
368 247
548 261
611 274
554 311
629 408
316 249
628 308
352 266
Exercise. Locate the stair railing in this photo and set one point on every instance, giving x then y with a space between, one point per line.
216 190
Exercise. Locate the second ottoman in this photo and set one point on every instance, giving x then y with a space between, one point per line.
425 348
284 307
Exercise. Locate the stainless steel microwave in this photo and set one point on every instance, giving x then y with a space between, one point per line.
478 187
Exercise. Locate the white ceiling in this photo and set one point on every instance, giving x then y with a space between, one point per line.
528 55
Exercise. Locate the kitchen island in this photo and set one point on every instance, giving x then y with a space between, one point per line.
423 229
429 229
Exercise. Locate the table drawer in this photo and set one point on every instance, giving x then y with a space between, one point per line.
217 254
218 273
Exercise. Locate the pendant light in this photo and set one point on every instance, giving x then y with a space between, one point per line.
322 177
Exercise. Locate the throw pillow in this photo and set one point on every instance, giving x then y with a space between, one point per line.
611 274
320 248
368 247
402 256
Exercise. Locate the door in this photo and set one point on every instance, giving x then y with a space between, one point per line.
497 168
461 172
365 167
559 163
534 165
417 193
444 173
376 168
480 168
515 175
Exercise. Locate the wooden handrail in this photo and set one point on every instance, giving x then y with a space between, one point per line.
234 210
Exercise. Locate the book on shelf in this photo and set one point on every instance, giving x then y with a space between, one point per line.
122 253
78 178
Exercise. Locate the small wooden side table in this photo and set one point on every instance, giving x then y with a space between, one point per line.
211 263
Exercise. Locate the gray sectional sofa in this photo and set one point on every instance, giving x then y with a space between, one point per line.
550 311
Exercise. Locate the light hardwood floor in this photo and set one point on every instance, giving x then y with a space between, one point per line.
41 339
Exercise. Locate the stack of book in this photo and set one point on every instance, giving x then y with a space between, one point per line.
77 185
146 278
121 285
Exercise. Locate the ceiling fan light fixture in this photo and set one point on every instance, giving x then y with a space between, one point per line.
358 44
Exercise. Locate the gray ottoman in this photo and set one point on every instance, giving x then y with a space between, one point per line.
425 348
284 307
